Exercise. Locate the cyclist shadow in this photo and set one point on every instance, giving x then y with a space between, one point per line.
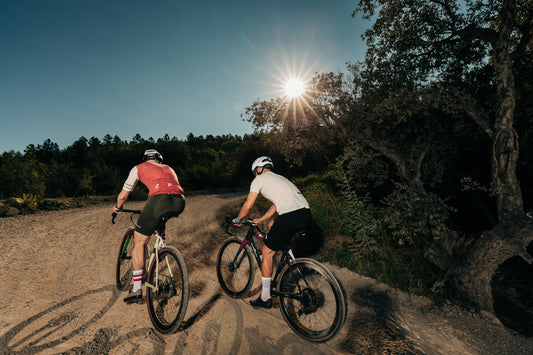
67 319
54 325
374 328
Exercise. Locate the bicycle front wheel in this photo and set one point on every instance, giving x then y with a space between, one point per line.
235 268
311 300
167 301
124 269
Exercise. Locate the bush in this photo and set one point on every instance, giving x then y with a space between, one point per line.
51 205
326 206
29 204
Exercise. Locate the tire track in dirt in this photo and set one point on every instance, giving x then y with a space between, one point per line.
63 299
59 296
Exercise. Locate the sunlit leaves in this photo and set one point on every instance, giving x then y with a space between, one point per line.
308 123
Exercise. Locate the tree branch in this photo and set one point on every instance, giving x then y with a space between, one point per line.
528 258
418 176
526 30
468 107
403 172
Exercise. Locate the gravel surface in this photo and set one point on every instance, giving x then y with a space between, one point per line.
58 296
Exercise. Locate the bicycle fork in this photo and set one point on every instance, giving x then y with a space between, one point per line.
237 260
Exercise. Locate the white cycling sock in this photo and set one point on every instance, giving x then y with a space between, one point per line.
137 280
265 293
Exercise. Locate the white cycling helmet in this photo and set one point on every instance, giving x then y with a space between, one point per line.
262 161
152 154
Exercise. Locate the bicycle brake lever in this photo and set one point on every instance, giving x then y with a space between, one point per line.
225 225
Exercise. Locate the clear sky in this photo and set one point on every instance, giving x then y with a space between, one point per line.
73 68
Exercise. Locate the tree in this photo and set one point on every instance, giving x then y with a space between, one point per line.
313 124
425 41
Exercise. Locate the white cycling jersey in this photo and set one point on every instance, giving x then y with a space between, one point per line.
280 191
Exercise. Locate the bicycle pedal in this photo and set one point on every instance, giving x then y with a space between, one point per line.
137 298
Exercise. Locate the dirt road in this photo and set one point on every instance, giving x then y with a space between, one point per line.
58 296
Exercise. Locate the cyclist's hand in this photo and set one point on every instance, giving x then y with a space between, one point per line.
116 209
256 221
236 222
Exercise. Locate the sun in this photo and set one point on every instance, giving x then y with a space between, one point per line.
294 88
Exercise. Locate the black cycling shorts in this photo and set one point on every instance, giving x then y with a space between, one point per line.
156 206
285 226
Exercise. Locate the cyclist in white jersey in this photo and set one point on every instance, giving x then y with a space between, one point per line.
293 216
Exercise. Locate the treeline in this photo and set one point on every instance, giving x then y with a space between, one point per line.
99 166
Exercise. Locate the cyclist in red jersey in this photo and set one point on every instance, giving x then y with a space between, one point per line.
165 195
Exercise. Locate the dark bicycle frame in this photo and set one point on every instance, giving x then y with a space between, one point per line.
255 233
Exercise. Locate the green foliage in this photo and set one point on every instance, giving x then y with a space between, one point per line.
358 214
414 215
50 205
326 207
29 204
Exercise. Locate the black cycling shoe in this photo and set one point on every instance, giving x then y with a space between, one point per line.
260 303
134 297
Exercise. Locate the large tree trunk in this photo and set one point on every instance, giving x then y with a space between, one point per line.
510 237
505 142
474 274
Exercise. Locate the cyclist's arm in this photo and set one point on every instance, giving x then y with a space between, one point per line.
267 216
247 206
128 187
121 199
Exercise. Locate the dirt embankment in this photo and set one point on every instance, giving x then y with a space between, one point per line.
58 296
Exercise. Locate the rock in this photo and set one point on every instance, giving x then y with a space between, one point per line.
14 202
12 212
8 211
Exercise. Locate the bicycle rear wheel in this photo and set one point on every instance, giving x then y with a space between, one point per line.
235 268
167 305
124 269
311 300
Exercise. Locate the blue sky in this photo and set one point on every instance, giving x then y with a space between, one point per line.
72 68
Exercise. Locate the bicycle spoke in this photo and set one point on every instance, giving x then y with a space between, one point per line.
235 268
124 269
311 301
167 302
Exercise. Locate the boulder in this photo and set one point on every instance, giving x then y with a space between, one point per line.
14 202
8 211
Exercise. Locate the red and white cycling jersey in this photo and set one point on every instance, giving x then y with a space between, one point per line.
158 178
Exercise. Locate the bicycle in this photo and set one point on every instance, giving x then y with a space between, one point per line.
310 297
167 280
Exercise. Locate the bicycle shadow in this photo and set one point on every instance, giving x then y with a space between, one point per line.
65 320
58 323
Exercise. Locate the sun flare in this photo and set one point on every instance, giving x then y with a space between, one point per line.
294 88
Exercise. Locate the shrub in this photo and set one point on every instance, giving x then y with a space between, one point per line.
51 205
29 204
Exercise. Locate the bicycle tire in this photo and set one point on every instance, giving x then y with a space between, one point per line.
124 269
167 306
236 279
316 308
